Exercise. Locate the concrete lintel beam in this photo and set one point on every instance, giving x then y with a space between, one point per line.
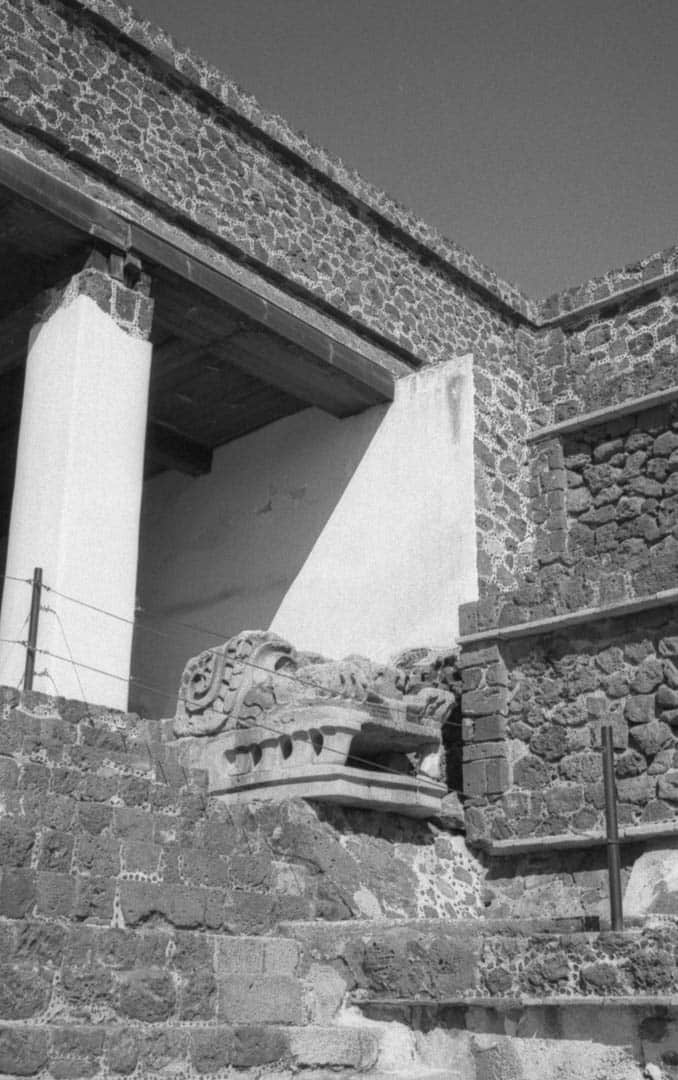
364 364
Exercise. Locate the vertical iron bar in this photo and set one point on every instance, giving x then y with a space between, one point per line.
613 861
32 642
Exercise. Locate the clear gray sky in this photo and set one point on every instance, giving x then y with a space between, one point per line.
542 135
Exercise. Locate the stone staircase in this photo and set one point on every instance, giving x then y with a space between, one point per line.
146 931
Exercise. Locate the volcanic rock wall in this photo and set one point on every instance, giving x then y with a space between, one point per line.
97 97
140 922
588 636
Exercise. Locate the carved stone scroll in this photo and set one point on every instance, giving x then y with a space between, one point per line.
267 722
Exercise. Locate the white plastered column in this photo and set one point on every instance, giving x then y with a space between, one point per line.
77 492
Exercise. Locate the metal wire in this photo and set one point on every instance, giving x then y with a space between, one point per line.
54 612
379 708
251 725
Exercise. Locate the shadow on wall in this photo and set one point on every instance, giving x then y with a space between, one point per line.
344 536
222 550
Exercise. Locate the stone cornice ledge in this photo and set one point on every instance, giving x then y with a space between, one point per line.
603 416
630 834
553 623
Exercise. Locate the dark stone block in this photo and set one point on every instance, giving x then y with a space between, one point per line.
484 702
16 843
531 773
640 709
122 1051
17 893
24 991
549 742
23 1051
211 1049
652 737
147 995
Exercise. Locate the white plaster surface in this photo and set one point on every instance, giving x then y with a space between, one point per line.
398 554
653 883
346 536
76 502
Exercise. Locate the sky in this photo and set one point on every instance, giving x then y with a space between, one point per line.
541 135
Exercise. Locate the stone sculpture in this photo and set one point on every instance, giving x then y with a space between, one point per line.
268 722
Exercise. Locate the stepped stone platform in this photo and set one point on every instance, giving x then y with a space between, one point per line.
147 930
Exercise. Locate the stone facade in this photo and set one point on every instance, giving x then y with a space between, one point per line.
601 534
136 914
158 133
148 929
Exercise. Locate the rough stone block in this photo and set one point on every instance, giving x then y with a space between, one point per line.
256 1045
16 843
55 894
87 987
183 906
240 956
475 779
139 901
147 995
23 1051
281 956
355 1048
483 655
94 898
498 776
164 1051
488 728
211 1049
25 991
9 774
650 738
531 772
484 702
667 786
550 742
75 1052
635 789
17 893
261 999
56 850
138 857
564 799
198 997
476 751
122 1051
131 823
468 617
667 698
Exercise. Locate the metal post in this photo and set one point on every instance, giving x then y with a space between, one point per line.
613 862
32 642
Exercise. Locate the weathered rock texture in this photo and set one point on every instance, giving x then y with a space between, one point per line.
98 98
134 912
601 531
542 728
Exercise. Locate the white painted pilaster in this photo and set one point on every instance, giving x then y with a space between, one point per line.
77 499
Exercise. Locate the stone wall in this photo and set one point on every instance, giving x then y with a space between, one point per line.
140 921
623 350
604 502
149 130
70 76
532 740
601 530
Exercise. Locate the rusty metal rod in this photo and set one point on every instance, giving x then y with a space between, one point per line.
34 618
613 861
